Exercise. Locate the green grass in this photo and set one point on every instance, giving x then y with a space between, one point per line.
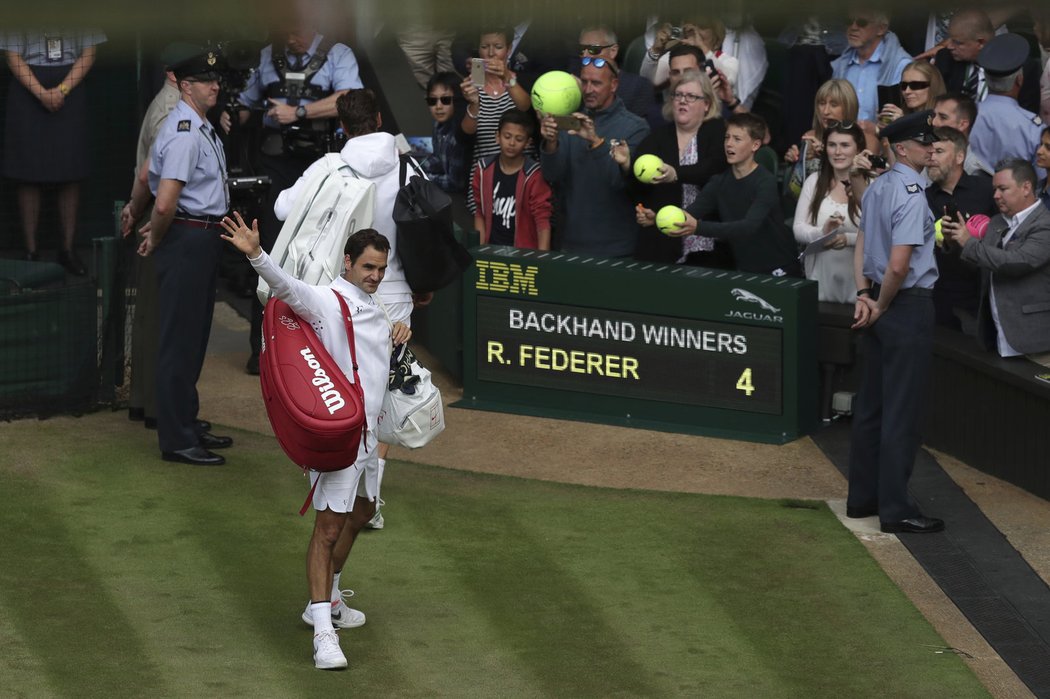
122 575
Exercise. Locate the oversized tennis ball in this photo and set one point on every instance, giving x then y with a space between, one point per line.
670 218
977 225
937 234
556 92
646 167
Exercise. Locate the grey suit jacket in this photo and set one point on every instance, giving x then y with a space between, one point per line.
1020 273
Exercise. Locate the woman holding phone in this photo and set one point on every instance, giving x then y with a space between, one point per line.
490 93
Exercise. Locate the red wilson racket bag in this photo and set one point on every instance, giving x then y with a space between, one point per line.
317 415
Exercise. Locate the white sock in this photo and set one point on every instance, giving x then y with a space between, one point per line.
336 597
322 616
379 484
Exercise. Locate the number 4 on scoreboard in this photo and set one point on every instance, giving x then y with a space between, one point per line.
744 383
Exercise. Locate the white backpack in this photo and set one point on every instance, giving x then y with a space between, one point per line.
334 204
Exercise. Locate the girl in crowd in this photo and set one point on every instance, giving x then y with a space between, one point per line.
692 149
921 84
501 92
827 205
836 100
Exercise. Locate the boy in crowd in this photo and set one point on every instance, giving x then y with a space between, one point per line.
745 199
513 200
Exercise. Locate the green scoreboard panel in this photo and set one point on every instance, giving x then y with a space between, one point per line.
666 347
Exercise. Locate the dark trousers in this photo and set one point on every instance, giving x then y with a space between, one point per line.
187 265
898 354
283 171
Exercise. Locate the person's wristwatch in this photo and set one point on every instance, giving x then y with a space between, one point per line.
300 111
512 82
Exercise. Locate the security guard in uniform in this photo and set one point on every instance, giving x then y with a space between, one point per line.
297 84
1002 128
187 176
895 273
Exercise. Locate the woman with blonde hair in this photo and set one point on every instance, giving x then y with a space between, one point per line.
692 149
835 101
920 86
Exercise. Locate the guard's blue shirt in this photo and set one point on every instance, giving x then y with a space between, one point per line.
895 212
187 149
50 48
339 72
1004 130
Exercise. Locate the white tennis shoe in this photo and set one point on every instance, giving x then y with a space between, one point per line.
377 519
327 653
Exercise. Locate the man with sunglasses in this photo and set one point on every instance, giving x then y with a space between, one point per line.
636 91
874 57
895 271
599 214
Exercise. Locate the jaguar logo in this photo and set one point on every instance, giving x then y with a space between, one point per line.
745 295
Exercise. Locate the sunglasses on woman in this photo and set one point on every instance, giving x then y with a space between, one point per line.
594 49
843 125
599 63
914 84
444 99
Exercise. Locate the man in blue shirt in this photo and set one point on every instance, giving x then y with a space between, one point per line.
187 175
296 86
895 272
874 57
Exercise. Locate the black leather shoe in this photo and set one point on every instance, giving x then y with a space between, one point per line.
861 512
211 441
252 367
136 414
203 426
197 456
914 525
72 263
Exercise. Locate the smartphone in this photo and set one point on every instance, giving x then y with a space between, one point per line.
951 210
709 66
477 72
568 123
878 162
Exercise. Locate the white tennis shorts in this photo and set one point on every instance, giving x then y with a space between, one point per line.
336 490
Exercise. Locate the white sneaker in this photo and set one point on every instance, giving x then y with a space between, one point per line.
343 617
377 519
327 653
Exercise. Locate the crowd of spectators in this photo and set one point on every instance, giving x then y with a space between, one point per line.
669 89
980 77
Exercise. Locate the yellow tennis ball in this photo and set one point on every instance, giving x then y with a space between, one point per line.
646 167
556 92
937 234
670 218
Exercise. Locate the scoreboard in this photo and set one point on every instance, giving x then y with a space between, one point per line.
665 347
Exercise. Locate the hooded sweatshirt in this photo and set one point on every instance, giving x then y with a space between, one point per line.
373 157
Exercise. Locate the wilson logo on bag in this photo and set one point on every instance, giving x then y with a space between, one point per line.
317 415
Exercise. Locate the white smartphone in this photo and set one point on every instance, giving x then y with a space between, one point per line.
477 71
